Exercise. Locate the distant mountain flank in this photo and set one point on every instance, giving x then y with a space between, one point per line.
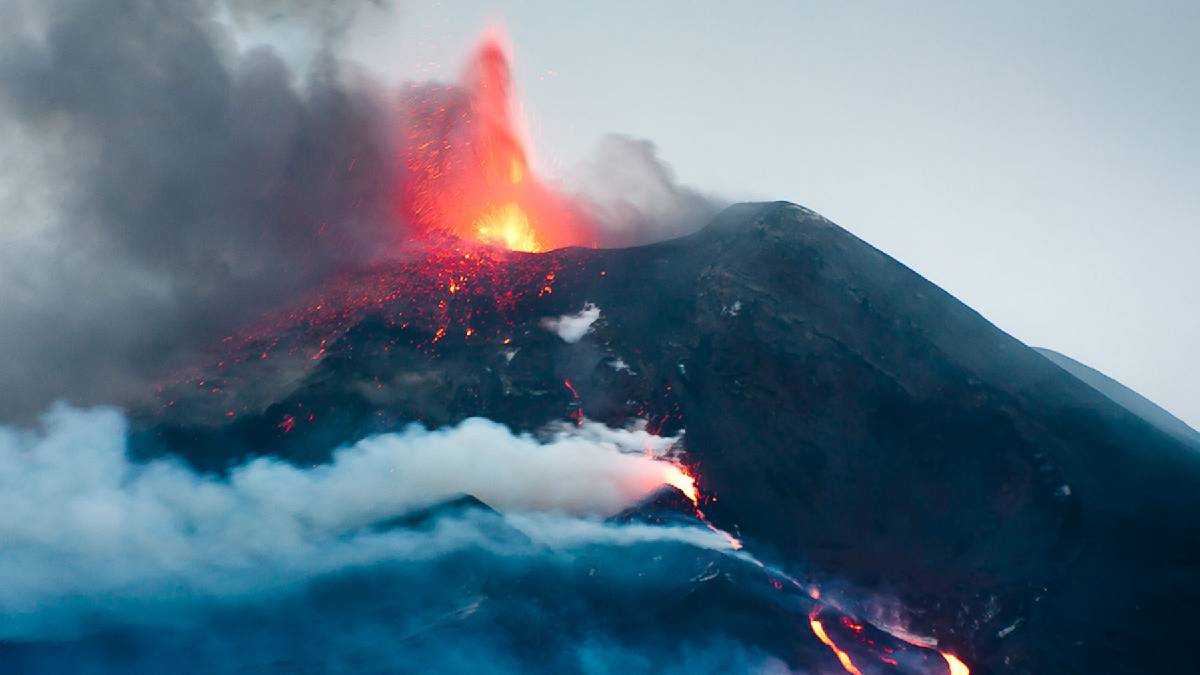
1125 397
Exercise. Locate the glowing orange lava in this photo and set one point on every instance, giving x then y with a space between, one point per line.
819 630
956 667
468 168
678 478
507 226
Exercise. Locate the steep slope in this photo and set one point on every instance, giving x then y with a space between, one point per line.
1125 397
845 417
900 439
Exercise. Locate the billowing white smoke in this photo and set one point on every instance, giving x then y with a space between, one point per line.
87 532
572 327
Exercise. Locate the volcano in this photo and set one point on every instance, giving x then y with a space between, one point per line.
844 418
478 431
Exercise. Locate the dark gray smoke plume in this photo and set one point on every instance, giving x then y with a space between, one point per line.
163 180
633 197
159 186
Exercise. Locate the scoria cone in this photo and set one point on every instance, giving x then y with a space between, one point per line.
844 416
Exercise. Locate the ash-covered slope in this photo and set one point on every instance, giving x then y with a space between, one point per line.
897 437
1125 397
850 419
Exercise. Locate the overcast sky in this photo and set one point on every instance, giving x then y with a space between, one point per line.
1039 160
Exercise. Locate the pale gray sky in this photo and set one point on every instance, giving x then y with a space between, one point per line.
1039 160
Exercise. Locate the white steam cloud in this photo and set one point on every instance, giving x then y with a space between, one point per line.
86 532
572 327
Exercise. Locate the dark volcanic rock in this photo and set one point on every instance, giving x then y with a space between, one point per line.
666 505
849 417
447 508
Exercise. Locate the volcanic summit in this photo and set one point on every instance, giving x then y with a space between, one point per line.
843 416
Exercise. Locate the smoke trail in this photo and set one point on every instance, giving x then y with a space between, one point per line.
633 197
87 532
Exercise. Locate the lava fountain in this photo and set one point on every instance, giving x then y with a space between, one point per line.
469 169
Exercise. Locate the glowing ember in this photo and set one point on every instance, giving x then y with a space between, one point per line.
468 165
843 657
956 667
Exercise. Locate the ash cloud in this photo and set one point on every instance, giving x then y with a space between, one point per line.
168 176
336 16
633 197
160 185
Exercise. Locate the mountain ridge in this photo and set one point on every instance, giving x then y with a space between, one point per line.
1124 396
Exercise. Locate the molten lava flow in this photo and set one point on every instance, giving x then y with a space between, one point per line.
819 630
678 478
956 667
468 166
